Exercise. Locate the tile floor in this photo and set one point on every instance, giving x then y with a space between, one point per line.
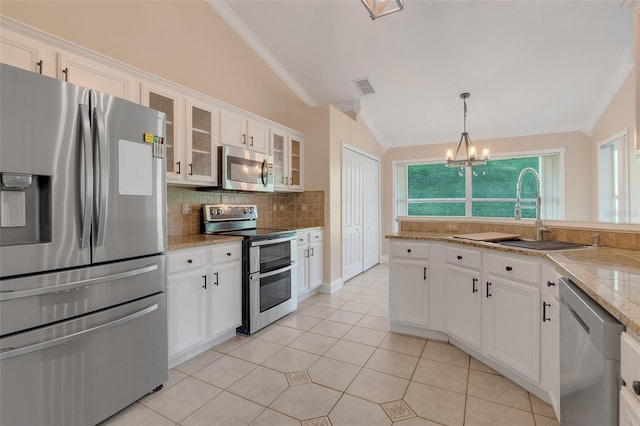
334 362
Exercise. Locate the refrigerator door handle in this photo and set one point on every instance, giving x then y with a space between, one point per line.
87 203
101 173
11 352
8 295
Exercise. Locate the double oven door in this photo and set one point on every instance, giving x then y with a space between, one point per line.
271 286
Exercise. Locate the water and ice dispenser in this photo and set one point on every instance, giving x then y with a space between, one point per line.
25 203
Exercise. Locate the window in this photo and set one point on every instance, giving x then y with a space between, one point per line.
613 180
431 189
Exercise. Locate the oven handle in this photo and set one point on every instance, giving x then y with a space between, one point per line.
277 271
272 241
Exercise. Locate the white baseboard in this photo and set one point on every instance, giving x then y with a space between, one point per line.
331 287
179 359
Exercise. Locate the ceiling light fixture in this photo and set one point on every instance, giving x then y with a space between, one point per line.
472 158
378 8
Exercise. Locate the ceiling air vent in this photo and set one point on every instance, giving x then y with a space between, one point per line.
364 86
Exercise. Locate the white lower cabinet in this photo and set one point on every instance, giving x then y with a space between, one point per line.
204 297
187 304
463 305
309 246
630 372
225 296
492 303
409 279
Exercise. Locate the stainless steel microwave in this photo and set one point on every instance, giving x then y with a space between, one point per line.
244 170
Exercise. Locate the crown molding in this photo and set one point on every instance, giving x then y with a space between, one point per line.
245 33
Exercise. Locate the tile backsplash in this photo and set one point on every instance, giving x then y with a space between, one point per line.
275 210
624 240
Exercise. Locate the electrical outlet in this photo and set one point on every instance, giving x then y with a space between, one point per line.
452 226
303 207
186 209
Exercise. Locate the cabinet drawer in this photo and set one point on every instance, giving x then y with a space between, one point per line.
303 239
513 268
179 261
225 253
315 236
463 257
409 250
630 360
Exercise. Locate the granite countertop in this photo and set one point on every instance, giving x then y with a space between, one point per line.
609 276
198 240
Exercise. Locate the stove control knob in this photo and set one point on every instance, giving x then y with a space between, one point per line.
251 210
219 211
246 210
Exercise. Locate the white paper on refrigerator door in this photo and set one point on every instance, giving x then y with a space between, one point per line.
135 168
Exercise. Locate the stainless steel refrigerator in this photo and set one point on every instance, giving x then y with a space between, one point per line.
83 327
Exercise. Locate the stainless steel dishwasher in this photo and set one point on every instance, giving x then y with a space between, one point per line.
589 360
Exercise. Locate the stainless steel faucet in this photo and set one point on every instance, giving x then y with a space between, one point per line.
538 227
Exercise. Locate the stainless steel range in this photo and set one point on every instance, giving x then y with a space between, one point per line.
269 263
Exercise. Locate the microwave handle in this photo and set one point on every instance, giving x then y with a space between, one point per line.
265 170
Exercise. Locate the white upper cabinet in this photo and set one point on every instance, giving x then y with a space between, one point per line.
94 75
240 131
22 52
173 105
286 151
201 146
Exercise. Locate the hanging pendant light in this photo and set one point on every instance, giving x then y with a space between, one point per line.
472 157
378 8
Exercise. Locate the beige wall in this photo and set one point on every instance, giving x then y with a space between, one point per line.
326 128
619 115
577 145
186 42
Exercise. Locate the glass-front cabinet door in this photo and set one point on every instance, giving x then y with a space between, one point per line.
278 152
201 152
172 105
295 163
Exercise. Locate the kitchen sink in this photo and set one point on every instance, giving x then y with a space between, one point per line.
541 245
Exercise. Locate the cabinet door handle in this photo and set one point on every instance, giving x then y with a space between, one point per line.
285 180
190 169
544 311
551 284
306 253
459 257
251 139
488 286
228 253
408 250
205 282
290 181
473 285
509 268
40 63
178 163
66 74
217 277
244 138
189 260
425 274
313 251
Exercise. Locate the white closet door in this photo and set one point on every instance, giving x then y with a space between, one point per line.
352 229
371 212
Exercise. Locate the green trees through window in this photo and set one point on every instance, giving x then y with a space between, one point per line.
435 190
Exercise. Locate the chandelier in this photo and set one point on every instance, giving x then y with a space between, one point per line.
378 8
472 158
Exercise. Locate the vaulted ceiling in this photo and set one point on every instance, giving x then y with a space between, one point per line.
531 66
